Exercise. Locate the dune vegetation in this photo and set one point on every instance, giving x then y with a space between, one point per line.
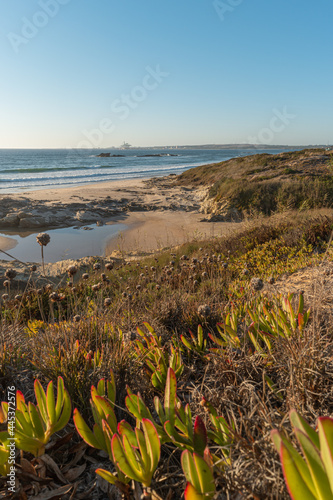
268 184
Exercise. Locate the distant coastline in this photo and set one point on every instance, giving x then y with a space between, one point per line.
258 147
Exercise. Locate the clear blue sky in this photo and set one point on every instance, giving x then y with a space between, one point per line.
151 72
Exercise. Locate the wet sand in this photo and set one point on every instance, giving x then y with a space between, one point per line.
7 243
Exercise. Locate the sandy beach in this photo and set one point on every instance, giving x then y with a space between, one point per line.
94 203
154 214
151 231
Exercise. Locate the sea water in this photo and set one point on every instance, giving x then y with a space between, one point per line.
30 169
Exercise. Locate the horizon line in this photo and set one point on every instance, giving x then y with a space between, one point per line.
188 146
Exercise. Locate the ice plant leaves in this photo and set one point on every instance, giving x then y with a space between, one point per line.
199 476
36 424
311 478
137 460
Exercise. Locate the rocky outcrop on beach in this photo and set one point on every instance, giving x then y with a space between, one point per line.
95 205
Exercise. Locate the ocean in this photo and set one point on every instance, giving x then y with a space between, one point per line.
30 169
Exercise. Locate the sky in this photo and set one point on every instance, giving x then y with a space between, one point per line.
96 73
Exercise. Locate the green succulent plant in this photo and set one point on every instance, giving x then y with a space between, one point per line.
199 476
311 477
35 424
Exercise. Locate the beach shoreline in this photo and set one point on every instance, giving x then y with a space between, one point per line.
94 203
155 214
156 211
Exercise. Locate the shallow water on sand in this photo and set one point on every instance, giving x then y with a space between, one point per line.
66 243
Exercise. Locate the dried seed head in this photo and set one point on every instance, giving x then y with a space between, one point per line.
77 318
138 287
103 277
33 268
158 287
124 294
204 274
85 276
40 291
95 288
107 302
257 284
74 289
10 274
71 270
49 287
109 266
5 296
204 310
54 296
18 297
224 265
96 266
271 280
129 296
245 272
43 239
6 283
